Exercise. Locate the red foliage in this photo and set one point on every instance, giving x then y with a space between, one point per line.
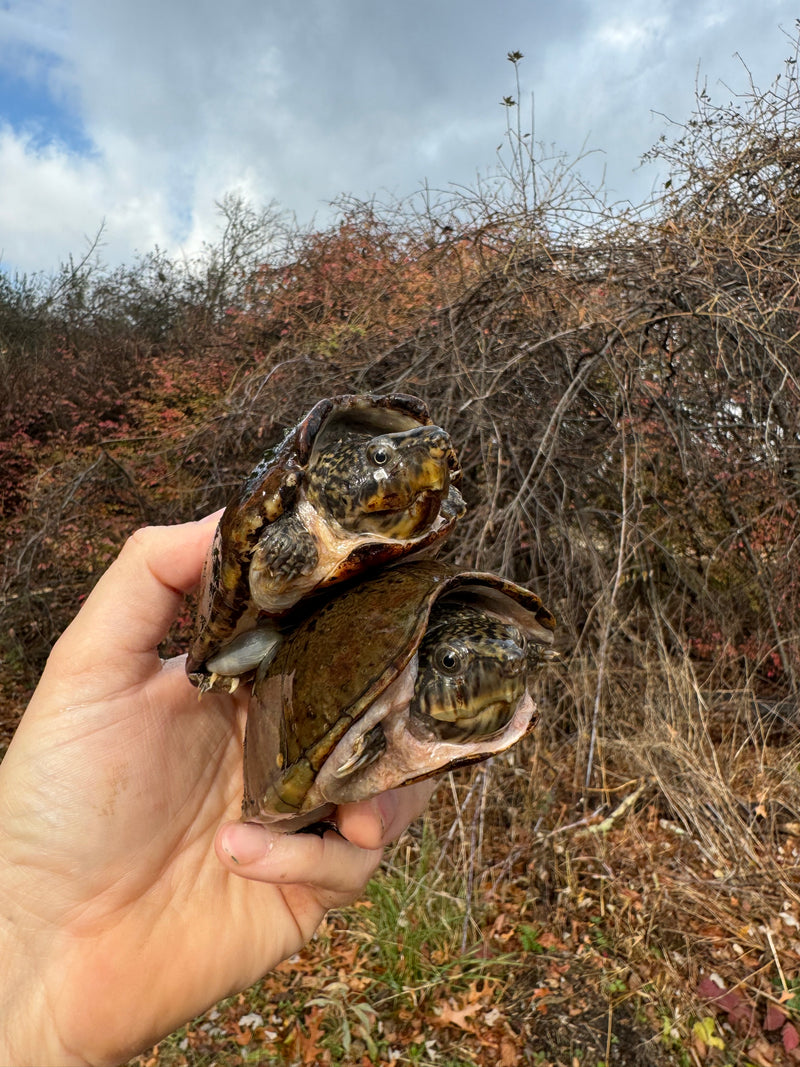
360 283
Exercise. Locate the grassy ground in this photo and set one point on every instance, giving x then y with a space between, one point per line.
522 922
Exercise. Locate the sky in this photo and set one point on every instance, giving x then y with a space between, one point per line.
138 116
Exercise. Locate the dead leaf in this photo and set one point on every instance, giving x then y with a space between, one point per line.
704 1036
715 933
483 989
548 940
498 924
762 1053
308 1044
451 1016
509 1054
774 1018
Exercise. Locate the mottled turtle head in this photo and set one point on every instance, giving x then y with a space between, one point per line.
390 484
471 673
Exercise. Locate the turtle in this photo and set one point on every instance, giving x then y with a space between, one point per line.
360 481
399 677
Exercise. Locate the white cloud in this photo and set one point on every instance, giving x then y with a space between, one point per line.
629 34
53 203
181 101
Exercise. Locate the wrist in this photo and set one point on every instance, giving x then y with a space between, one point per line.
28 1025
28 1030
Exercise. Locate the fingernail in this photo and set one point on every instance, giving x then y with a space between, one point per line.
246 842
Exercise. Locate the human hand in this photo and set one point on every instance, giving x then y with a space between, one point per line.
118 921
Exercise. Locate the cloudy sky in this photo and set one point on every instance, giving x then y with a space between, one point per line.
140 114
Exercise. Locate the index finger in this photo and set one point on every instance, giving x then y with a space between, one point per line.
133 605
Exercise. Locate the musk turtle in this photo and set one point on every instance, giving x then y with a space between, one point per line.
360 481
408 674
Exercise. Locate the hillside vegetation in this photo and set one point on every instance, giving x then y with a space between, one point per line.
623 388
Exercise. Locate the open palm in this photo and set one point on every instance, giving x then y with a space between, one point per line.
133 899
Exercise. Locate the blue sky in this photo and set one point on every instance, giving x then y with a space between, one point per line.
140 115
30 107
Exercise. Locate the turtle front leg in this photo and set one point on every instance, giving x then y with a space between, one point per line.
286 552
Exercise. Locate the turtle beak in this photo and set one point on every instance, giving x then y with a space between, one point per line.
425 461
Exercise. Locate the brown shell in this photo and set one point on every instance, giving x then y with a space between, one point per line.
335 666
225 607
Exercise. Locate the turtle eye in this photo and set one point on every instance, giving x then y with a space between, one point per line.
379 455
448 660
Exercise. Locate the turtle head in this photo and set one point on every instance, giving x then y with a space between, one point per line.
391 484
471 674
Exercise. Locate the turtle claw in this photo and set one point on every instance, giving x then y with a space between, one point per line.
213 683
286 551
369 747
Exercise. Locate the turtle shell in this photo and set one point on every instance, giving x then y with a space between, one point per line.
305 518
347 673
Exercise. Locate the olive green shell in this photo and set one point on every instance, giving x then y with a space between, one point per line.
225 607
338 662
